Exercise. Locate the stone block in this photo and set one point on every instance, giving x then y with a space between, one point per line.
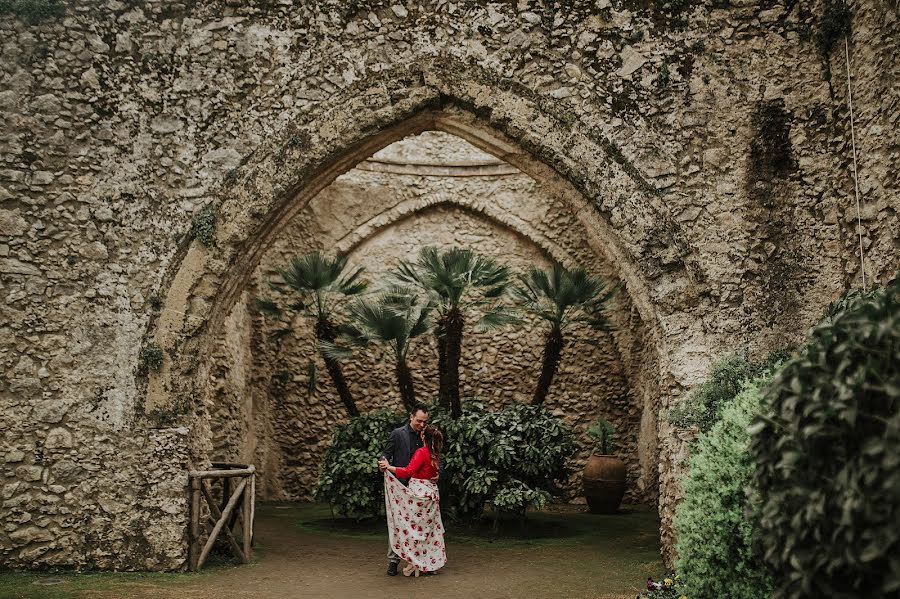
29 473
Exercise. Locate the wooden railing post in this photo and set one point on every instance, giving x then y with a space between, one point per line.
194 547
246 510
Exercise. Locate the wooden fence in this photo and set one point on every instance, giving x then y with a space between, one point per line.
238 499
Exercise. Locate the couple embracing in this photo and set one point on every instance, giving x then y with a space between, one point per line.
411 463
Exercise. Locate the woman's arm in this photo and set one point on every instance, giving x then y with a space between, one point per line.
415 464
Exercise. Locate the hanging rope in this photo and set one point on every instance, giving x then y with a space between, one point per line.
862 262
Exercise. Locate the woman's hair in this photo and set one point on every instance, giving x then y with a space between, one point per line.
434 441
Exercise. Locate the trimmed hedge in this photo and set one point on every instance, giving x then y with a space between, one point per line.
715 523
828 457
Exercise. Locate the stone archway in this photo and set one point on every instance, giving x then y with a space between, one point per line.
261 405
620 210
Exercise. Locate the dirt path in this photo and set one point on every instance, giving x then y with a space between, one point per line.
609 559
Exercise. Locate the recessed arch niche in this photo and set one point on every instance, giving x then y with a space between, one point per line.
429 189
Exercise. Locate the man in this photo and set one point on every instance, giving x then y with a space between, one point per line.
401 445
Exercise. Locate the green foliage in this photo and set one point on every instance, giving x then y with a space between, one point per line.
603 432
315 273
828 457
510 458
515 496
841 304
459 283
203 225
315 287
833 25
152 357
562 296
394 318
32 11
170 415
705 402
349 479
716 522
312 285
463 280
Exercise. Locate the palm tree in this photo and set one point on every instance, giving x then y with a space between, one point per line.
321 286
393 318
459 281
561 297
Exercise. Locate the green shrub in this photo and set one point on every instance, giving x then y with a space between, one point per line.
704 404
828 457
349 479
715 523
511 458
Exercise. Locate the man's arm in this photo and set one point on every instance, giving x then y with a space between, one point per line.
389 448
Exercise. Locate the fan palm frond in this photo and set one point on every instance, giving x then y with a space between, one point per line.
497 317
267 307
334 351
562 296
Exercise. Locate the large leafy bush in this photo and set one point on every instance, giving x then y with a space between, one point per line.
828 457
349 479
511 458
715 523
704 404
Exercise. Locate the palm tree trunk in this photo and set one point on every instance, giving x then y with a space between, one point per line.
454 334
552 354
405 382
441 338
325 332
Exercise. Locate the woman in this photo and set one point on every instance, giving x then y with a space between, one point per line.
415 528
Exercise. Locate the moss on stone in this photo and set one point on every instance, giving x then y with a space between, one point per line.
203 226
33 11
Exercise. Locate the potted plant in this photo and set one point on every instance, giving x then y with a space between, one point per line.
604 474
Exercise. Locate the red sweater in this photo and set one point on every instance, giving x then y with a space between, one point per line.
419 466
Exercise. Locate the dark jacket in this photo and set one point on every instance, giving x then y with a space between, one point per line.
401 445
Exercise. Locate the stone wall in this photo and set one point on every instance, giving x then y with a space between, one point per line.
706 154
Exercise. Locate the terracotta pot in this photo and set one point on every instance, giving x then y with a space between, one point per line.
604 483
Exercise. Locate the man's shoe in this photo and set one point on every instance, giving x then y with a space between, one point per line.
392 569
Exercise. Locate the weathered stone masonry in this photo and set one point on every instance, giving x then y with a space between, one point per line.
705 154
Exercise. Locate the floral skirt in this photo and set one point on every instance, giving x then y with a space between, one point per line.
415 529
